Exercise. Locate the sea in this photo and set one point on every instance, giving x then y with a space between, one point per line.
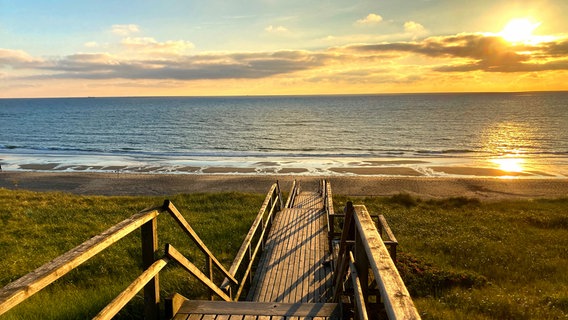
471 134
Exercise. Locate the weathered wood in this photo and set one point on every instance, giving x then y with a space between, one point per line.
291 269
396 298
361 313
247 242
26 286
391 241
149 232
249 308
178 217
173 304
125 296
191 268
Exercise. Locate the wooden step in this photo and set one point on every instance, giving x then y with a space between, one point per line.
248 310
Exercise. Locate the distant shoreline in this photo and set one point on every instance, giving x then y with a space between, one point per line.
169 184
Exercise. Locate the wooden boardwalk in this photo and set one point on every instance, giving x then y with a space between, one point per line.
294 275
295 264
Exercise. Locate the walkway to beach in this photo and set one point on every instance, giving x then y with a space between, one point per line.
294 276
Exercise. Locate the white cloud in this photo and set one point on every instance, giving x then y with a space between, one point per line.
91 44
276 29
370 20
415 29
125 29
150 45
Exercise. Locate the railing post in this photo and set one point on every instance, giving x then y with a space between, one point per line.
281 202
209 266
149 250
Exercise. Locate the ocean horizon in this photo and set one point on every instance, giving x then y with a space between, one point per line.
519 135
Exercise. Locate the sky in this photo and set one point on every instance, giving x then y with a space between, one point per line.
70 48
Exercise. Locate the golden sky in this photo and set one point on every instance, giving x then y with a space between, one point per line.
264 47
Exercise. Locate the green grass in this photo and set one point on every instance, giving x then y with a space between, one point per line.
37 227
460 258
465 259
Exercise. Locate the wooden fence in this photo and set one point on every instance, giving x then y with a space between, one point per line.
21 289
373 278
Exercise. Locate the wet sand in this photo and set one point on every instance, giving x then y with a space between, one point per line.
170 184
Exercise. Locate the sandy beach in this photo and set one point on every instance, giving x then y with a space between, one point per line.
170 184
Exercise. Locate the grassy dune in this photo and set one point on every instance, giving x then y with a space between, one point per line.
37 227
464 259
460 258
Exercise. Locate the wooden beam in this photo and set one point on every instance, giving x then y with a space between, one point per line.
125 296
359 297
259 308
178 217
149 232
396 298
26 286
187 265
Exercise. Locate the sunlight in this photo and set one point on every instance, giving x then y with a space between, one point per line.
519 30
510 164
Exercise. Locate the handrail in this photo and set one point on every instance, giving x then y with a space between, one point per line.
358 290
146 220
258 231
24 287
125 296
294 191
328 205
371 253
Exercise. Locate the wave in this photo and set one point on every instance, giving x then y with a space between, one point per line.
222 152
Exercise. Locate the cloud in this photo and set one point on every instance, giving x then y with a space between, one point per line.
415 29
18 59
276 29
483 52
367 63
91 44
195 67
370 20
125 29
148 45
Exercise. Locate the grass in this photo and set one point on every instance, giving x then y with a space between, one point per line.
37 227
460 258
464 259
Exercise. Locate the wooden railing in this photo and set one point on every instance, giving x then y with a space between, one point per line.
21 289
363 255
336 220
253 243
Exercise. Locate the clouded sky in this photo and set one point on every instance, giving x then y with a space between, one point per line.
66 48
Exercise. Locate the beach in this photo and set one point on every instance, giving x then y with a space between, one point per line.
93 183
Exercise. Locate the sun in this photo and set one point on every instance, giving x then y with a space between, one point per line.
519 30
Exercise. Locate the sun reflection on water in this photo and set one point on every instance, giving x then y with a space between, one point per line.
510 164
507 143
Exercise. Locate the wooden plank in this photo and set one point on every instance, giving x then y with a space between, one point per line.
385 225
21 289
278 273
396 298
173 304
259 308
149 232
247 242
182 222
125 296
179 258
358 290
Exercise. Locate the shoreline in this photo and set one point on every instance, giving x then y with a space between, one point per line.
94 183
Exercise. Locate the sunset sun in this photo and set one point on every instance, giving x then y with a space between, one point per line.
519 30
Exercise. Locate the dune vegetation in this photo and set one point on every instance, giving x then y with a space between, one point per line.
460 258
